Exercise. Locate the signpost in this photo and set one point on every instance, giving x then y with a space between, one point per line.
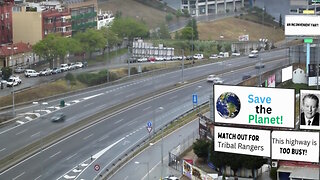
149 126
97 167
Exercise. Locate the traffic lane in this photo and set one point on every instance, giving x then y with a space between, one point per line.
105 128
93 109
152 155
108 124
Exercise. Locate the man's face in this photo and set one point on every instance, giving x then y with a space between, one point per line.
310 108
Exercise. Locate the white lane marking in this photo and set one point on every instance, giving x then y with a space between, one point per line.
2 149
22 131
103 138
35 134
86 98
71 156
86 105
118 121
69 177
87 137
173 97
131 95
130 123
76 170
84 164
146 108
54 154
18 176
75 101
38 177
20 122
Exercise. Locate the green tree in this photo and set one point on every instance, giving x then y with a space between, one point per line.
130 28
112 39
193 24
200 148
186 33
169 17
164 32
176 35
6 72
91 40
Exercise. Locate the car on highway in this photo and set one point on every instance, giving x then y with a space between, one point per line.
58 117
31 73
218 80
143 59
13 81
254 54
71 66
246 76
212 78
259 65
235 54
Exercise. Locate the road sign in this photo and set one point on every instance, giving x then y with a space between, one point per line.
97 167
149 124
149 129
194 98
308 40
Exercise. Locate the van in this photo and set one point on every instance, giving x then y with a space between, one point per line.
31 73
198 56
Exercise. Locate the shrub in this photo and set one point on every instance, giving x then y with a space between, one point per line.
133 70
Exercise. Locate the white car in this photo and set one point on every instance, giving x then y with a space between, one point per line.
198 56
214 79
171 177
144 59
31 73
78 65
45 72
254 54
235 54
213 56
64 67
13 81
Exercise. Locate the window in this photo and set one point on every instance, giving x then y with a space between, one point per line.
1 16
7 15
45 32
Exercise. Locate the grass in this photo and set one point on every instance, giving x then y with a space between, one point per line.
232 28
130 8
41 91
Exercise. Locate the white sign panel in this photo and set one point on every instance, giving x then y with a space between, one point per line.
242 141
286 73
309 109
254 106
295 146
302 25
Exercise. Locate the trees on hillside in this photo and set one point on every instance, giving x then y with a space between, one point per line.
130 28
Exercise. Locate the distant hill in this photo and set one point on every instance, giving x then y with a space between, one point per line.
152 12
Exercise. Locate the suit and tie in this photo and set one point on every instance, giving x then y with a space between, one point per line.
315 121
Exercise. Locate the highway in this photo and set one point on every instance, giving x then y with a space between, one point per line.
118 132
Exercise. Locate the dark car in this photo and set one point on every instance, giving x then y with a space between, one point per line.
259 65
247 76
58 117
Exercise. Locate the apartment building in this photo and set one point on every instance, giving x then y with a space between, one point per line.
207 7
83 14
6 21
33 21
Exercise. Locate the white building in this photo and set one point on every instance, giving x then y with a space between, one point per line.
104 19
207 7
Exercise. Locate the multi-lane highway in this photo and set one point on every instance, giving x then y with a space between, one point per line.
116 134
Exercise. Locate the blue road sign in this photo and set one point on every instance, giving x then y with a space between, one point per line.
194 98
149 124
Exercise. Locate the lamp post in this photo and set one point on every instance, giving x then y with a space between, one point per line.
160 109
146 163
12 48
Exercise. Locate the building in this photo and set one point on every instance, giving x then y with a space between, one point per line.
207 7
104 19
33 21
19 54
6 21
83 14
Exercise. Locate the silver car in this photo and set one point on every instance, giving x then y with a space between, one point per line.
58 117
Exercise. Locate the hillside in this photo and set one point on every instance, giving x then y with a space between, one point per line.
232 28
130 8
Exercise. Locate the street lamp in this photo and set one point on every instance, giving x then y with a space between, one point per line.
11 59
146 163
